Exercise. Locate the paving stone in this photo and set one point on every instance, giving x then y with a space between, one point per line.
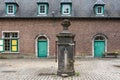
46 69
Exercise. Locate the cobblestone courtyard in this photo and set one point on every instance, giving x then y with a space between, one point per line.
45 69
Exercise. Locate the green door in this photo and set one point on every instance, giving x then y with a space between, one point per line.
99 48
42 48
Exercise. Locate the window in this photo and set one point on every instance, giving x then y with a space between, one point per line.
99 10
99 38
10 41
10 8
66 9
42 9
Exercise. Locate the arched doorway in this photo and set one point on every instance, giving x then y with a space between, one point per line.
42 46
100 43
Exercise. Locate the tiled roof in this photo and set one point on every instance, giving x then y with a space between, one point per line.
42 1
99 2
10 1
80 8
66 1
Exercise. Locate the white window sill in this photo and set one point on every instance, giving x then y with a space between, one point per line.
42 15
66 15
99 14
10 15
10 52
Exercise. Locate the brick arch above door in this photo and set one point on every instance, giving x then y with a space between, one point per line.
43 38
99 45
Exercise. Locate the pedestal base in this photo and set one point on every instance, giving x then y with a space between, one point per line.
65 73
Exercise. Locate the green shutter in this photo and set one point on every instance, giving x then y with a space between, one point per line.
6 9
14 45
15 8
47 8
1 45
103 9
61 8
38 9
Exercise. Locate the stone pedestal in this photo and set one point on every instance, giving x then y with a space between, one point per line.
66 50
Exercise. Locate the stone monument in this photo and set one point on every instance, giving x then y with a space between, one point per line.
66 51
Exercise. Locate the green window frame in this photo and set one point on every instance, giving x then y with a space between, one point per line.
10 41
1 45
66 8
10 9
42 9
99 10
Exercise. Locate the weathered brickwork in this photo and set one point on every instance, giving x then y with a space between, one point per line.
85 29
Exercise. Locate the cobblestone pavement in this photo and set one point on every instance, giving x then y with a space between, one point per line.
45 69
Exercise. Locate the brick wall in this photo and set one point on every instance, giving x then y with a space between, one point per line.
84 29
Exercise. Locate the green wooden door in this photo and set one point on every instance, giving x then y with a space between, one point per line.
42 48
99 48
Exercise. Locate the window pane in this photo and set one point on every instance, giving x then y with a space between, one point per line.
14 35
99 38
42 9
6 35
10 9
14 48
99 9
14 45
66 9
7 44
14 42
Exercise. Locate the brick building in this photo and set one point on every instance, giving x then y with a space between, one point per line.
30 26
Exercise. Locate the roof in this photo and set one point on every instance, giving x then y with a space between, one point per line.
42 1
99 2
11 1
66 1
80 9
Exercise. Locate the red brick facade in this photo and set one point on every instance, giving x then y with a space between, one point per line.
84 29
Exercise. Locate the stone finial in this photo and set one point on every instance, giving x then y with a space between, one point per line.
66 23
